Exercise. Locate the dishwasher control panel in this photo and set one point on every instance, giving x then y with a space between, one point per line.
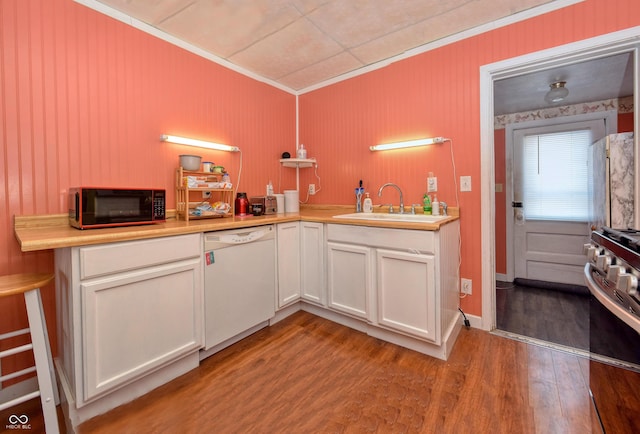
242 238
238 236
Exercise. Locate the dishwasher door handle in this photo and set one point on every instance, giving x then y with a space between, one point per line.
239 238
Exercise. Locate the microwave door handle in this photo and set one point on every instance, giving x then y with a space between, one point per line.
77 206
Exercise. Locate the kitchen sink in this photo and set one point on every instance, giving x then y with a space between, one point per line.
385 217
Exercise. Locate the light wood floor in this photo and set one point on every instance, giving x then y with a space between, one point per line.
309 375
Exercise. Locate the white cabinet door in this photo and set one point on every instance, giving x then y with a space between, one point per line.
312 257
137 321
349 272
288 263
407 293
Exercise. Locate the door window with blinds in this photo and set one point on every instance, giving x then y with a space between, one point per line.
552 181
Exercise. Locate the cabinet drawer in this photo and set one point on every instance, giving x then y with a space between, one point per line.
118 257
398 239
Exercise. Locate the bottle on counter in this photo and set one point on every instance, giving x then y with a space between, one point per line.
367 205
426 204
435 206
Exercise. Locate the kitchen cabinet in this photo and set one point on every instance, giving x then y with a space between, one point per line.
288 240
403 282
312 262
349 275
126 310
188 197
406 291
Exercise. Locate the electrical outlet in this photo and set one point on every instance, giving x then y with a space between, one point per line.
465 286
465 183
432 184
312 189
206 194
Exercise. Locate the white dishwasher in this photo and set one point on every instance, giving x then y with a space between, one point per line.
239 282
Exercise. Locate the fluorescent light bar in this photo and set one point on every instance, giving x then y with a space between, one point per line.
198 143
407 144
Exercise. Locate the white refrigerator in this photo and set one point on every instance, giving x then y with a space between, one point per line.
612 182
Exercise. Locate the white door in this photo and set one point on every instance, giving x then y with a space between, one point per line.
407 293
288 263
550 203
137 321
349 278
312 262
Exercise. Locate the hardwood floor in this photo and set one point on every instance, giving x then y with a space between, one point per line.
309 375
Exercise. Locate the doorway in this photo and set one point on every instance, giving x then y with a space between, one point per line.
547 207
600 47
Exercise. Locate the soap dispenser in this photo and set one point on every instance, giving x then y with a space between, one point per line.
367 205
435 206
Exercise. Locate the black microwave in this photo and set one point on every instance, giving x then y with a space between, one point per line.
92 207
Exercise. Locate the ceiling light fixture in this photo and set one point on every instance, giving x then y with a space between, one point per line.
557 92
407 144
198 143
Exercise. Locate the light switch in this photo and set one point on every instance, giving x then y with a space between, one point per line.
465 183
498 188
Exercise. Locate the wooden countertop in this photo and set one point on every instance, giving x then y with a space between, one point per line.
53 231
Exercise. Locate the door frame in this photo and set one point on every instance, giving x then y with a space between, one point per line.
623 41
611 126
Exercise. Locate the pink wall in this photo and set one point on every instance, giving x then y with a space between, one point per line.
84 100
433 94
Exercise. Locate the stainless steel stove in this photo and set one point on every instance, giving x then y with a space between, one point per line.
612 273
614 269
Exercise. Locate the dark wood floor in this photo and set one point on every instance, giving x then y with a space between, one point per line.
555 316
309 375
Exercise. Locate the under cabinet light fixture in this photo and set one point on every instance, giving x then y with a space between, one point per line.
198 143
407 144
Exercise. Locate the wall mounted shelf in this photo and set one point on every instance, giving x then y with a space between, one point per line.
298 162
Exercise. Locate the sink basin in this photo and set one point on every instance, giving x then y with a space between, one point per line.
384 217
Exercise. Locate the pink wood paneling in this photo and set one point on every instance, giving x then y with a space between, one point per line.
84 100
625 122
432 94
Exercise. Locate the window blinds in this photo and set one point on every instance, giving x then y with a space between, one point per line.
554 177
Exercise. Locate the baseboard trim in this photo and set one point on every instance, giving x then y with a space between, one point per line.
562 287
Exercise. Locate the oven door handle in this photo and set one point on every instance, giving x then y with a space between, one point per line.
613 307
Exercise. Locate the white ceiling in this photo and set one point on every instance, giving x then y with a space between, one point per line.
301 43
594 80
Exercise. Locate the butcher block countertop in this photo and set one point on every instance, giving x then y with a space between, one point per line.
53 231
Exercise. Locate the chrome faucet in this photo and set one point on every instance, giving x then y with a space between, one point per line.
399 191
444 208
